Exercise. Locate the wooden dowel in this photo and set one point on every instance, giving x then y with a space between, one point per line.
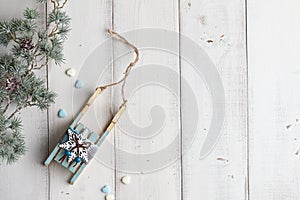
116 117
87 105
113 122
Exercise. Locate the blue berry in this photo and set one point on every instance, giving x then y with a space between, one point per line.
67 153
78 159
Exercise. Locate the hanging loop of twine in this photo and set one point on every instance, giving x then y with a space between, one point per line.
128 68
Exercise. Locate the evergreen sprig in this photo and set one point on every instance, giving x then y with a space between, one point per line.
31 14
29 48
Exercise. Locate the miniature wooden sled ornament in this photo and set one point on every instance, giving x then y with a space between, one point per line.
79 144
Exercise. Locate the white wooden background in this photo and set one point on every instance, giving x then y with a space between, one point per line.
256 157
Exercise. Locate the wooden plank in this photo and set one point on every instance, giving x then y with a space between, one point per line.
134 154
52 155
217 27
273 38
72 167
90 19
77 173
102 138
35 130
93 137
60 156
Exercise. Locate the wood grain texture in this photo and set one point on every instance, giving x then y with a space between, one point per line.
273 37
90 19
147 181
218 27
15 182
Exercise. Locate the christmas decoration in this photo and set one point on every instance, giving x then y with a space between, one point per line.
106 189
110 197
125 180
76 147
62 113
29 48
79 144
26 44
79 84
70 72
12 84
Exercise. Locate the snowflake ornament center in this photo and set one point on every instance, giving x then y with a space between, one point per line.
76 147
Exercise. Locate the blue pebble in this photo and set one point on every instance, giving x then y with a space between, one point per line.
67 153
106 189
62 113
78 159
79 84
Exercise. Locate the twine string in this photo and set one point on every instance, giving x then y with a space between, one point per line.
128 68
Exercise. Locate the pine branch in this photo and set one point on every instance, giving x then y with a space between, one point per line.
31 49
6 107
31 14
15 112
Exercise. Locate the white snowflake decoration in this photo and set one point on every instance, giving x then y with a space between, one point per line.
78 146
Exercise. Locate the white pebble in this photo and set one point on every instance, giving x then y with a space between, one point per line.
125 180
109 197
70 72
